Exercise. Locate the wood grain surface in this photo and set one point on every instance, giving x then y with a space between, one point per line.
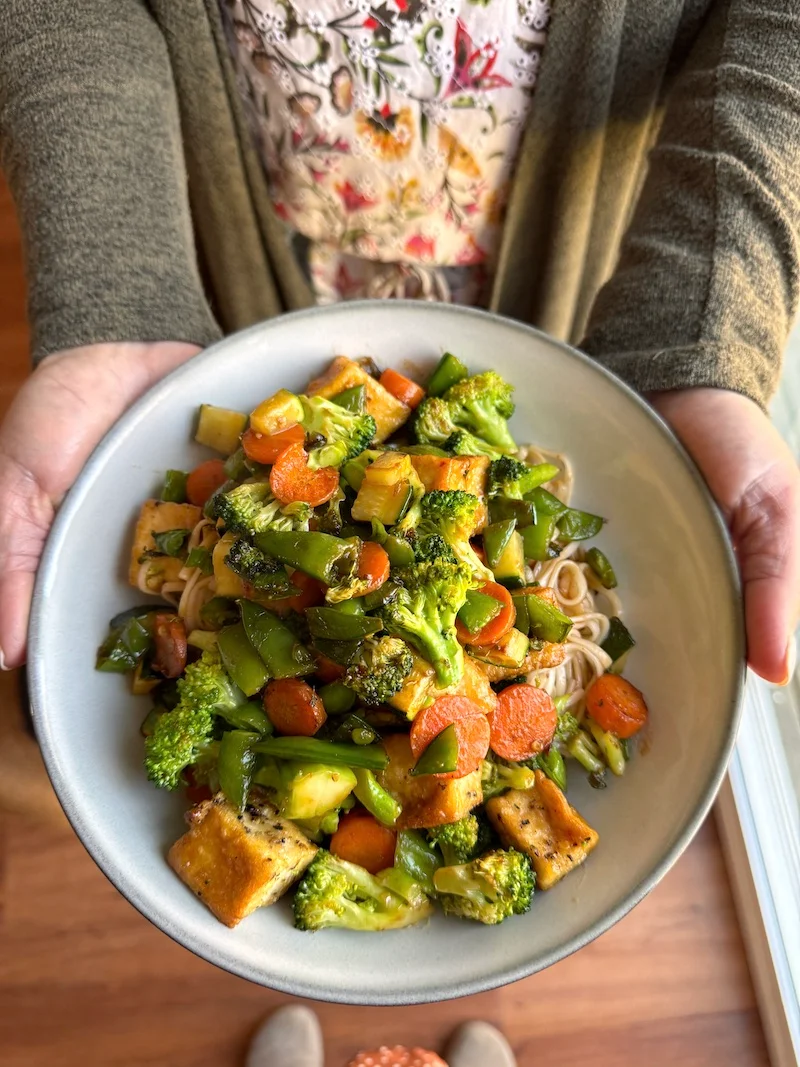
85 980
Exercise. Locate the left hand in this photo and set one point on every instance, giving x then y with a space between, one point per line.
755 480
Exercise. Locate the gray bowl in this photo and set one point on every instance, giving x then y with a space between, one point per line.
677 578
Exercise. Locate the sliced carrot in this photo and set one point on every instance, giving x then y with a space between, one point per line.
616 705
361 839
373 565
265 448
293 708
523 723
402 388
205 480
309 594
328 671
291 480
472 730
498 626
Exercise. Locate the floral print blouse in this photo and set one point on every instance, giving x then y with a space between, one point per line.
389 131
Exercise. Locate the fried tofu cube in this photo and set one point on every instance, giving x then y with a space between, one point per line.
549 655
542 823
388 412
158 516
237 863
227 583
427 800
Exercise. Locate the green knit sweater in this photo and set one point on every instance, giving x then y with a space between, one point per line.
655 213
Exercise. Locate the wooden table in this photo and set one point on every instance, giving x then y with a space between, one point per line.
84 979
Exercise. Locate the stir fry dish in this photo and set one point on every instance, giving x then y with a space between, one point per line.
380 645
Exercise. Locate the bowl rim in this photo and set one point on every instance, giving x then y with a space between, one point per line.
104 857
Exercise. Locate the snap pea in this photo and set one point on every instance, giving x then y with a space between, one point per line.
447 372
495 539
375 798
174 489
314 750
325 557
552 763
354 728
545 622
353 399
546 503
278 647
333 625
235 766
601 566
336 698
418 858
478 610
441 755
536 538
249 716
576 525
241 660
399 551
502 508
218 612
236 465
340 652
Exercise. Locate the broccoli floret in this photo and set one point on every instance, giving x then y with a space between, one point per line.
251 508
181 735
329 516
511 478
336 893
464 443
429 596
482 404
413 513
379 669
433 421
462 841
345 433
567 726
259 570
497 776
429 546
452 514
488 889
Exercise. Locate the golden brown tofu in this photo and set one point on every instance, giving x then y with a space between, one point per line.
387 411
158 516
536 660
226 582
427 800
237 863
542 823
459 472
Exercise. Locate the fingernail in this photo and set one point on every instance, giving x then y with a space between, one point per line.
790 661
3 662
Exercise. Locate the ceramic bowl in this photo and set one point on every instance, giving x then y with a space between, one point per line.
676 575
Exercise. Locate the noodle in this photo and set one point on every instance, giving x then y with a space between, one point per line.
190 589
581 596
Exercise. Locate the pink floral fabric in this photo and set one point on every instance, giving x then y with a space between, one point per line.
389 132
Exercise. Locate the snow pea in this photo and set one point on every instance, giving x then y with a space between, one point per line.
375 798
353 399
235 765
495 539
601 566
278 647
241 660
478 610
333 625
418 858
315 750
536 538
543 621
327 558
125 646
174 489
447 372
441 755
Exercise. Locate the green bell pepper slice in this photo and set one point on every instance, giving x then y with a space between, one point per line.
441 755
447 372
235 765
241 660
278 647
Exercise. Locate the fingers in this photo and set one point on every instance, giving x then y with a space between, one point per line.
24 521
766 532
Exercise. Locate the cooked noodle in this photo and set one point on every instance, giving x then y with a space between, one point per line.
190 590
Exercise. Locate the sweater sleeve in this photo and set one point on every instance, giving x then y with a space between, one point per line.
706 287
90 143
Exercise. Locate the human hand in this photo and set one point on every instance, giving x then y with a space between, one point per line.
59 415
754 478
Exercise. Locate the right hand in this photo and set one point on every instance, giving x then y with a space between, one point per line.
59 415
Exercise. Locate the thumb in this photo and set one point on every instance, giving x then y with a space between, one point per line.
766 532
24 522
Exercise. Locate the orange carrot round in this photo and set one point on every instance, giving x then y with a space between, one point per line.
204 480
616 705
402 388
293 708
309 594
265 448
373 565
291 479
361 839
523 723
327 670
498 626
472 731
